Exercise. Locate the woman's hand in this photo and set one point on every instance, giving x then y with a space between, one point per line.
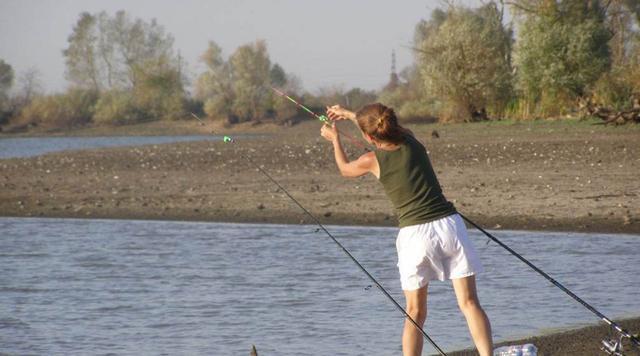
336 113
330 133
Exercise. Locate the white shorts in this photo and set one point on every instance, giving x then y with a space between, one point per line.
438 249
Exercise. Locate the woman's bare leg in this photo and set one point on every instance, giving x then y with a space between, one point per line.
477 319
417 309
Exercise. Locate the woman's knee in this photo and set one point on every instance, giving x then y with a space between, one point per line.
418 313
469 304
417 304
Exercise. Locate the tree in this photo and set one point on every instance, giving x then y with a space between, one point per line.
6 81
82 66
159 91
213 86
118 54
465 60
30 85
250 69
238 89
292 85
410 98
562 50
138 43
278 76
107 52
617 87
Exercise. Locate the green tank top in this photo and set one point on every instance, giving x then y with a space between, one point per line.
411 184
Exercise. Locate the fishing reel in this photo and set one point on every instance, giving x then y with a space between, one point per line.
612 346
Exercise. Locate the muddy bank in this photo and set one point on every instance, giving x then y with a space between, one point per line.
534 176
577 342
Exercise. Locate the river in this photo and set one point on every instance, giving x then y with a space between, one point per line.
20 147
76 287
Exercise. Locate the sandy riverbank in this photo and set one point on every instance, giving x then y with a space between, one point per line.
536 176
584 341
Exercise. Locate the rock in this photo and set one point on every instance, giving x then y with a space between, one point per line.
261 206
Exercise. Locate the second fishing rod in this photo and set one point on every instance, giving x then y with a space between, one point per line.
624 333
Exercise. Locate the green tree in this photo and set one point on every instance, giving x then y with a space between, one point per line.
278 76
465 60
30 87
282 108
250 69
159 91
214 86
617 87
119 54
562 50
238 89
6 81
138 43
410 98
81 57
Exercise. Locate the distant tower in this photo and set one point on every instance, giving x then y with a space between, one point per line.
394 81
393 62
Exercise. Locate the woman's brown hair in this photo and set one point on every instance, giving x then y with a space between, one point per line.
380 122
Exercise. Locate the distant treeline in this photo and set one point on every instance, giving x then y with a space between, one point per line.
555 54
469 65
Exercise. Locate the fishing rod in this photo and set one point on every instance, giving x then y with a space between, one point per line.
373 279
608 321
322 118
228 139
609 347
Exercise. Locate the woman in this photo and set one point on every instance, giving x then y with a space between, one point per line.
432 243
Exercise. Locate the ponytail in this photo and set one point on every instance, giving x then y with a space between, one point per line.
380 122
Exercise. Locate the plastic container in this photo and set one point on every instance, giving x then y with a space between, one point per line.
516 350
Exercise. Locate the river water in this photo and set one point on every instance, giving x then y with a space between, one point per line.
77 287
14 147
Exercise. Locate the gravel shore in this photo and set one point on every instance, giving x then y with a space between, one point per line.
531 176
576 342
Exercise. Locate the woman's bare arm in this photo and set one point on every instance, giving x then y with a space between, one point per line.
336 113
367 163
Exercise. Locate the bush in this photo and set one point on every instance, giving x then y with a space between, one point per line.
117 107
195 106
5 116
74 108
614 89
159 92
416 110
410 102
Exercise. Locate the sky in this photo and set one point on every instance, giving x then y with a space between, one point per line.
324 43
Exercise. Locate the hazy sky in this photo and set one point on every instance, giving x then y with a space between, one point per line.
324 43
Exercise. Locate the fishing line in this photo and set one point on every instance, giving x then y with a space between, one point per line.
610 322
325 120
228 139
375 281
